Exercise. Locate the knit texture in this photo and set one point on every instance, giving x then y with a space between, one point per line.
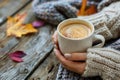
107 21
55 11
99 20
91 73
116 45
105 3
64 74
103 62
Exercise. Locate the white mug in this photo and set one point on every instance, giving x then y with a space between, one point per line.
70 45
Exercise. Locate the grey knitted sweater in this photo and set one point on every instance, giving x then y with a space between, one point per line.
103 62
55 11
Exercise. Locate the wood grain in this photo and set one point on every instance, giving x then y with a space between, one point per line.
47 70
11 7
37 47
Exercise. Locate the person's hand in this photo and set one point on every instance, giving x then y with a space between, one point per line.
72 61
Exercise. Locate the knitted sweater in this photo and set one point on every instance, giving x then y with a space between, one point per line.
55 11
103 62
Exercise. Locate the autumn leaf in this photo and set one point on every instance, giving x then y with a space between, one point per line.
82 9
91 10
18 31
17 56
16 27
18 19
86 11
38 24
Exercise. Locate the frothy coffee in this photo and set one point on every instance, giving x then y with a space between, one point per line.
75 31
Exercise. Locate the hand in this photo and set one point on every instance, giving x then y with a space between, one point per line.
71 61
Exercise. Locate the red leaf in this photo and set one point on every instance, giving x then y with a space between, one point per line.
17 56
16 59
38 24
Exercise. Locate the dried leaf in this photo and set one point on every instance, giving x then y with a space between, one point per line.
16 28
37 24
16 59
17 56
82 9
90 10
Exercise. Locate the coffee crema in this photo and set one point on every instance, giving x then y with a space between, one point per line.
75 30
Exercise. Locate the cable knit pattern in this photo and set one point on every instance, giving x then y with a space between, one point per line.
104 62
113 18
105 3
69 74
107 22
51 10
99 20
116 45
107 56
55 11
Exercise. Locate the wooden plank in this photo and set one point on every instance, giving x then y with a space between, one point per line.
47 70
36 46
5 42
11 7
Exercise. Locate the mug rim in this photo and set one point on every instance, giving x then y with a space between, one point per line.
72 19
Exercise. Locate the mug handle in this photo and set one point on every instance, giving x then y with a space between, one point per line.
98 37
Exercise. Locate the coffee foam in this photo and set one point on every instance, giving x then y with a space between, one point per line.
75 31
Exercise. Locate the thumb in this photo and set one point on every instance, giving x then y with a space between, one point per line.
76 56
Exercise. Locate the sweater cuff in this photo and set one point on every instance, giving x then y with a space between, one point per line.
104 62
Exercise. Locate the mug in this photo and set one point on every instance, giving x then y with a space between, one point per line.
70 45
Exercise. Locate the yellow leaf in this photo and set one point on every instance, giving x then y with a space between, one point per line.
82 9
86 11
16 28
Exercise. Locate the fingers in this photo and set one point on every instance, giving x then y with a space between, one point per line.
54 37
55 40
68 61
72 56
76 56
60 56
77 67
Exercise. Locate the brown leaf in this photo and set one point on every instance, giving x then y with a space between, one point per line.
15 26
82 9
90 10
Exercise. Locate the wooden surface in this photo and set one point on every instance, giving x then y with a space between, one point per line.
39 63
11 7
47 70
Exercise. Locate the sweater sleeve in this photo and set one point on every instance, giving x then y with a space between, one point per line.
105 3
107 21
104 62
112 13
